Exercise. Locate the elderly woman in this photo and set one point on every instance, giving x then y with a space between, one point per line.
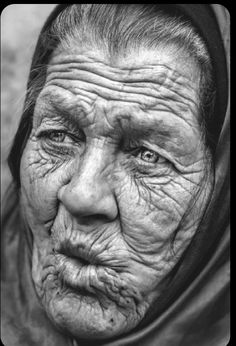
115 230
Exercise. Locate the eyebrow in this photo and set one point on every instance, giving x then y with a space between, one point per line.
128 123
54 106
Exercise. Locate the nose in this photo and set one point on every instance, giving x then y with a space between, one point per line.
89 194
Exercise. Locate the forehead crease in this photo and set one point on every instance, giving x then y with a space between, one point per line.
145 100
126 73
63 101
146 80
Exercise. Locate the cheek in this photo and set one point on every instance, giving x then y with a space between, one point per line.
152 209
41 179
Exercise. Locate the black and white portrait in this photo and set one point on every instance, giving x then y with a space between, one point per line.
115 215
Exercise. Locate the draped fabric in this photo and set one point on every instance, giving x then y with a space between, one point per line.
194 309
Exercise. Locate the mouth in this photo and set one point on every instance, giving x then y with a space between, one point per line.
82 261
82 267
80 276
79 268
94 282
80 252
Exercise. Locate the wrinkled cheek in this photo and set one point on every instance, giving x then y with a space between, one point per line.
38 198
39 206
43 268
153 215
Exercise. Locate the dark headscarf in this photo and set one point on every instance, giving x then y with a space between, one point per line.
194 310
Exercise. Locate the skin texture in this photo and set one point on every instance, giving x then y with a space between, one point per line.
115 178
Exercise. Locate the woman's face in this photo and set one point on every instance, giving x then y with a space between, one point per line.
115 178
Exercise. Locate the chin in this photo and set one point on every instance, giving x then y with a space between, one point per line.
86 316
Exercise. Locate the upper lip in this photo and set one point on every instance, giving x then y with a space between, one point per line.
80 251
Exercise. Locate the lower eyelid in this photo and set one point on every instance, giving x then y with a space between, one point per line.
162 160
61 150
151 164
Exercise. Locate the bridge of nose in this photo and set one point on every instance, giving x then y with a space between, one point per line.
90 190
108 119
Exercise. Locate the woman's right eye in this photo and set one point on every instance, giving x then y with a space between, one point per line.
61 142
62 137
56 136
59 136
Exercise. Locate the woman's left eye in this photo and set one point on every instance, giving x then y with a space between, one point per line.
146 155
149 156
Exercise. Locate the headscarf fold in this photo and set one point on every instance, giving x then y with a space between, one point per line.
194 310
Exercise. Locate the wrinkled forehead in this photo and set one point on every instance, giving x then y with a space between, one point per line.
146 88
141 75
131 57
163 66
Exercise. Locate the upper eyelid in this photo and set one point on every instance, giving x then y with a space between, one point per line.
160 151
156 149
52 119
58 126
43 131
73 136
50 122
47 132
